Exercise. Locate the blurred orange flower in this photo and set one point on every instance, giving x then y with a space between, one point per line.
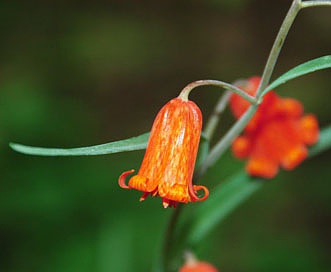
168 164
194 265
277 135
198 267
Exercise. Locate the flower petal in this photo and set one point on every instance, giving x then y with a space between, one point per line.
241 147
294 157
262 167
309 129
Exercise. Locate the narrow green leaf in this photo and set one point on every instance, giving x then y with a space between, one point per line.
300 70
222 201
135 143
231 193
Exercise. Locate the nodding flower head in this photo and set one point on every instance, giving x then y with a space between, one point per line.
277 135
168 165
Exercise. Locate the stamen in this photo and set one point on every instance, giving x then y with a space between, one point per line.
143 197
169 203
165 203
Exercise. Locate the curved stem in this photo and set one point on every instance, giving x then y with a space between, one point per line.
210 82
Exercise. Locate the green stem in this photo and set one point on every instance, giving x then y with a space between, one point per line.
226 141
277 45
168 237
210 82
307 4
214 118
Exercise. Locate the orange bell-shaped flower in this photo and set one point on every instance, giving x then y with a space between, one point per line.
168 164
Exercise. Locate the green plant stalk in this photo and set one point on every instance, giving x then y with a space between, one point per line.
307 4
215 117
225 141
168 238
277 46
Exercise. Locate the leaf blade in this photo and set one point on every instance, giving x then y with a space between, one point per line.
300 70
130 144
224 199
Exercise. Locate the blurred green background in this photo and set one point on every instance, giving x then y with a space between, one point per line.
82 73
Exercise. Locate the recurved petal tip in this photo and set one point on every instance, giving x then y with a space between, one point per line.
193 193
122 178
